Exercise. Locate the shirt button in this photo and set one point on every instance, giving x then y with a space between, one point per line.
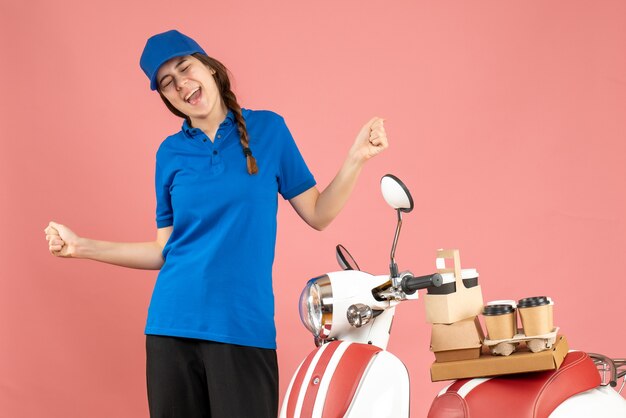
219 136
214 152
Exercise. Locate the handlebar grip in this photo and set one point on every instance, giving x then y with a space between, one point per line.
412 284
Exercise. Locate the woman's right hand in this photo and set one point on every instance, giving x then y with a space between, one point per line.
61 240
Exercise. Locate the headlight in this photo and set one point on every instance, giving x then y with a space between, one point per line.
316 308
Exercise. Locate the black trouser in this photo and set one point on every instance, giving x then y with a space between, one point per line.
190 378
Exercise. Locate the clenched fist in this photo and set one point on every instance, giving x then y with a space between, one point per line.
61 240
370 141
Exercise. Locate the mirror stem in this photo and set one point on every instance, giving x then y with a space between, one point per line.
393 267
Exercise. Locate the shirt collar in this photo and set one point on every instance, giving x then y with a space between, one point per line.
191 131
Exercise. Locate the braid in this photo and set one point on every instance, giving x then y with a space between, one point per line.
231 102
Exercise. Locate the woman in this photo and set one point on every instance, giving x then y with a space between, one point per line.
210 335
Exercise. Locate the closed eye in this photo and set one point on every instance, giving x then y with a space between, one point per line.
167 83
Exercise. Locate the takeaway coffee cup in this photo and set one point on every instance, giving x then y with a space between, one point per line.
536 314
508 302
500 321
469 277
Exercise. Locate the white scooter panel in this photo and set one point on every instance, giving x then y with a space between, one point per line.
344 379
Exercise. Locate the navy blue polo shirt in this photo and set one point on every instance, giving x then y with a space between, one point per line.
216 282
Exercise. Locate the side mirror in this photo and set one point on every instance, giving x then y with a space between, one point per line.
344 258
398 197
396 193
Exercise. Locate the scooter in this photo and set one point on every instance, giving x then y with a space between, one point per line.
350 374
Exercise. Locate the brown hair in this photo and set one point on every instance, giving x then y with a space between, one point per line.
230 100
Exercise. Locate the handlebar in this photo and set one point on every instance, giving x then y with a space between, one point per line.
411 284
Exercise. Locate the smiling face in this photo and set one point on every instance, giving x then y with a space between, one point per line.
190 87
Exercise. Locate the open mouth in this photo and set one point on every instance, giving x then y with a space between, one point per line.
194 96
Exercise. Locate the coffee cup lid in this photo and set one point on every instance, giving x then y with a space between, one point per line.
490 310
503 302
469 273
534 301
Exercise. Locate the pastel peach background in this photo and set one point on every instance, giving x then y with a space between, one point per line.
507 120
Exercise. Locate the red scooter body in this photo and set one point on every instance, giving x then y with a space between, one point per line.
525 395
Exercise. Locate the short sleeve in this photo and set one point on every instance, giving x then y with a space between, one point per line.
294 175
164 213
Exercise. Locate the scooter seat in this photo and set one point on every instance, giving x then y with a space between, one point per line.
527 395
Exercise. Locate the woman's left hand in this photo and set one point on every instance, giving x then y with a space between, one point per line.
370 141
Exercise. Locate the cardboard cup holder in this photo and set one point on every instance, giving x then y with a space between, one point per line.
522 361
465 299
535 343
469 277
537 318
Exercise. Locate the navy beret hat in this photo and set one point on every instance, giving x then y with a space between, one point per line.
162 47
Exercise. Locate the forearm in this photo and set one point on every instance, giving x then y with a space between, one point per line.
334 197
138 255
319 209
